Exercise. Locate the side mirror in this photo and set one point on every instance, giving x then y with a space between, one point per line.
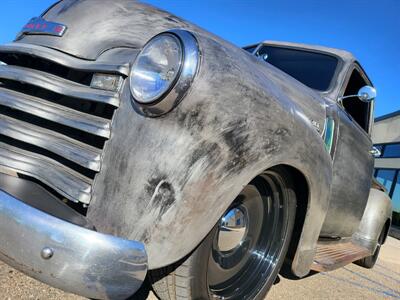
367 93
375 152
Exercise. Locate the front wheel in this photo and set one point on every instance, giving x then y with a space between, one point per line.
241 257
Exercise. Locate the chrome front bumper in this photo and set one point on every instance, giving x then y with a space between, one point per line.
67 256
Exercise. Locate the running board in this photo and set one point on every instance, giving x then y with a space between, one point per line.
333 256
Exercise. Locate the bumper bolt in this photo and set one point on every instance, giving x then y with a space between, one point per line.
46 253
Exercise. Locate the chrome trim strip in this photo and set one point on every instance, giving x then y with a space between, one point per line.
63 59
57 84
65 181
80 153
56 113
69 257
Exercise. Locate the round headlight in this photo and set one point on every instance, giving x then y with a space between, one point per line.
164 71
156 68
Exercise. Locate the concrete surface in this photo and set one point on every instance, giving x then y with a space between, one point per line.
350 282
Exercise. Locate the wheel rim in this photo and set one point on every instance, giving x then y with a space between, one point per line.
249 239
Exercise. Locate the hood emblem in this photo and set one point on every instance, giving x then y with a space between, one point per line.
41 26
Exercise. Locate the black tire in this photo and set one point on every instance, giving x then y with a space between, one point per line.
369 261
230 262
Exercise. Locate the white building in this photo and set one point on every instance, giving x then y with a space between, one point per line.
386 137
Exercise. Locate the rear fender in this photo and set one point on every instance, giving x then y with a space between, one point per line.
376 214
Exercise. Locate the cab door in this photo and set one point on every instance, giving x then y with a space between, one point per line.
353 162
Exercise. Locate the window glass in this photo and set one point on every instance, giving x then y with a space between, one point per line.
392 150
396 203
385 177
396 196
250 49
358 110
315 70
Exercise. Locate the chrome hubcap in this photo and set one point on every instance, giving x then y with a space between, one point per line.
232 229
248 241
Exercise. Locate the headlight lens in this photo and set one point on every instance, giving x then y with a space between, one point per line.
156 68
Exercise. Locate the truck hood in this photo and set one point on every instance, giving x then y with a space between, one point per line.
93 28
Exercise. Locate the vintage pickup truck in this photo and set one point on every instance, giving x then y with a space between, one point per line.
136 147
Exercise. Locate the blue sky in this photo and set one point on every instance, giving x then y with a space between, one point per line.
369 29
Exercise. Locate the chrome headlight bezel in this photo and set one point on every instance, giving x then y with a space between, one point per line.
178 88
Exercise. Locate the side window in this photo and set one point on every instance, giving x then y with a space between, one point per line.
386 177
357 109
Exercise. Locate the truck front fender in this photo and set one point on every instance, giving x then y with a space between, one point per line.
166 181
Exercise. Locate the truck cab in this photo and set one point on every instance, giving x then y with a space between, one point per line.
340 80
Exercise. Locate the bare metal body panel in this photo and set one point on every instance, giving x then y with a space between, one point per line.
115 26
177 171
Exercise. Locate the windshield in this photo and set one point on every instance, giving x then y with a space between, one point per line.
315 70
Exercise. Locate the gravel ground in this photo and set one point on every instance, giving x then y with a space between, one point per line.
350 282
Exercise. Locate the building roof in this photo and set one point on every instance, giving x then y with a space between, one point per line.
388 116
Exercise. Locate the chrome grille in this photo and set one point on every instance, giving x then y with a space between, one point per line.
53 125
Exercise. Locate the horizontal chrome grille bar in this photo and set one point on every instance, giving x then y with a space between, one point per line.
57 84
54 112
53 125
64 60
80 153
65 181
